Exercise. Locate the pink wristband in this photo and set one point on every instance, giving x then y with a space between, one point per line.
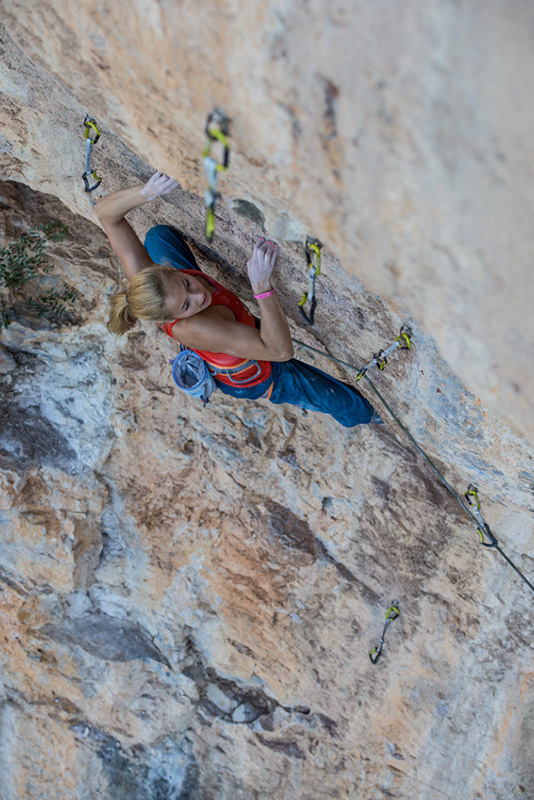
264 294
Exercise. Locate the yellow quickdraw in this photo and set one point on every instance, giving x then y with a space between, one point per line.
90 125
92 135
408 343
216 131
392 613
312 247
210 222
216 134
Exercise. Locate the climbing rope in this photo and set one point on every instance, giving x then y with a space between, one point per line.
380 359
217 128
472 509
392 613
92 135
312 251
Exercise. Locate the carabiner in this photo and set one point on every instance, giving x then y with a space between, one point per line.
313 305
91 128
380 360
85 179
217 129
406 334
487 532
472 492
374 654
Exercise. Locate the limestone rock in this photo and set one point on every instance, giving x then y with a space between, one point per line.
189 595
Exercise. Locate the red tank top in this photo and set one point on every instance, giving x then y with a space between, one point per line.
224 297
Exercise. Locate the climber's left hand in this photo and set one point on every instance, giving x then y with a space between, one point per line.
158 185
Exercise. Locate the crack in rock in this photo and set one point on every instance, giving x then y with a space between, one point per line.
106 637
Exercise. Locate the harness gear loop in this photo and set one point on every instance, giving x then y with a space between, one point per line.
483 528
312 251
217 129
380 360
92 135
392 613
231 371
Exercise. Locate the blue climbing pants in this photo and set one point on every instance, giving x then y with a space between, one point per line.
294 382
165 246
308 387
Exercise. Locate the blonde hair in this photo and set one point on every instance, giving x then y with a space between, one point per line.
143 299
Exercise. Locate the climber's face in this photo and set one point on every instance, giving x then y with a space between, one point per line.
186 295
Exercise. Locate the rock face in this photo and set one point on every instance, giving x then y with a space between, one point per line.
189 595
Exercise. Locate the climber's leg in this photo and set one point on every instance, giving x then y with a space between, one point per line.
166 246
302 385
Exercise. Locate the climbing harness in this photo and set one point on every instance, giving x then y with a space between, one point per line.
392 613
483 529
217 129
473 512
380 359
312 251
195 376
92 135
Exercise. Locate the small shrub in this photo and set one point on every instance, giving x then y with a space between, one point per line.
23 260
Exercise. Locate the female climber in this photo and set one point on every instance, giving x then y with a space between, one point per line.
167 287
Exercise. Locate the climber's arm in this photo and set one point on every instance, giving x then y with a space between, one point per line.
212 331
111 211
216 330
124 241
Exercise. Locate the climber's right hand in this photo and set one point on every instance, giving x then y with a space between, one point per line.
261 265
158 185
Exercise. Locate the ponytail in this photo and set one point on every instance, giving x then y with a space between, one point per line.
144 299
121 319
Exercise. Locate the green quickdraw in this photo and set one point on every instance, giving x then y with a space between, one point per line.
483 529
392 613
312 250
92 135
402 342
217 130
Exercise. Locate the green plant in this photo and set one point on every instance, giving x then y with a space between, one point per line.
23 260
